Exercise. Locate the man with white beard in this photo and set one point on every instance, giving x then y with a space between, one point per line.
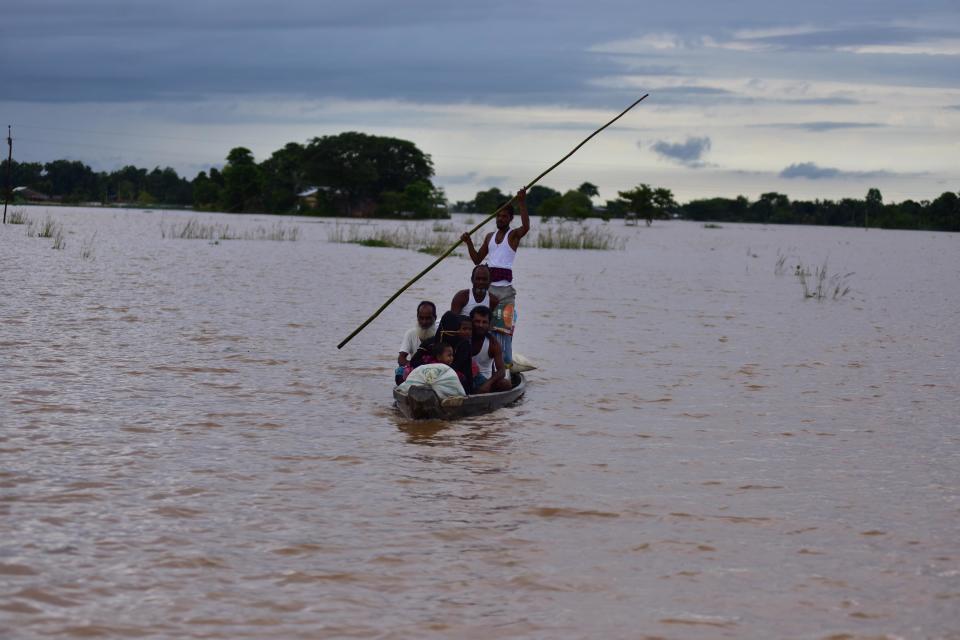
425 328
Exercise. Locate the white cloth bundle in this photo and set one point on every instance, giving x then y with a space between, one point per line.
439 377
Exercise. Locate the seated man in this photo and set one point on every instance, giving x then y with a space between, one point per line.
466 300
426 317
487 355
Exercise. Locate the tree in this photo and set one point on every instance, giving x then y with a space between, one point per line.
124 184
640 200
663 202
284 178
589 189
419 199
23 174
536 196
357 168
572 204
771 207
242 183
206 192
71 179
486 202
945 212
874 201
617 208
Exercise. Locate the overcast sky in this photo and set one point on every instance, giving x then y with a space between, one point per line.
812 99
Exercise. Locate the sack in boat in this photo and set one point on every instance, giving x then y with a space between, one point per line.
521 364
439 377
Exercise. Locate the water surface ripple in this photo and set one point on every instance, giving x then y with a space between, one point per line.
703 453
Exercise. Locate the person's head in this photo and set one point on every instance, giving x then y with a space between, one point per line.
426 314
480 279
504 216
443 352
451 328
466 327
480 317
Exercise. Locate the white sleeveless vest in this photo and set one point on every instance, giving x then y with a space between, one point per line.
500 255
483 360
471 304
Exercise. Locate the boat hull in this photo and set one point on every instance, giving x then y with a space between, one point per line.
421 403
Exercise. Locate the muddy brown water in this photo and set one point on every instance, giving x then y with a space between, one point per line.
703 453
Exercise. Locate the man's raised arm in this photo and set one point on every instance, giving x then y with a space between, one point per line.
476 256
524 228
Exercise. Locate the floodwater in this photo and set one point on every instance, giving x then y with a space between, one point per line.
703 453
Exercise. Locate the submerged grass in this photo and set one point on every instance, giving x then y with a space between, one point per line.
579 237
193 229
822 286
46 229
779 268
18 216
413 238
59 242
419 238
86 249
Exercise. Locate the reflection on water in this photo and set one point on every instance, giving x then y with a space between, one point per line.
702 453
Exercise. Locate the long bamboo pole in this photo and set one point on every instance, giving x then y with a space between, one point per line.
483 222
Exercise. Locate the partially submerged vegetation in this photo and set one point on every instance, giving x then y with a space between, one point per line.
419 238
18 216
59 242
49 228
86 249
46 229
193 229
578 237
821 285
415 238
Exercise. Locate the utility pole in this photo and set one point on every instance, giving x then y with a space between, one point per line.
6 198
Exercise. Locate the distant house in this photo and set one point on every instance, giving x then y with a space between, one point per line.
28 194
308 197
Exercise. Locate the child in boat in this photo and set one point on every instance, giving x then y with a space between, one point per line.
443 354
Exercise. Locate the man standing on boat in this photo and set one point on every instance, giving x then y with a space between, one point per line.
465 300
500 250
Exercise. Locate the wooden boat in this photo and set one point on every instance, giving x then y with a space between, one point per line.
420 402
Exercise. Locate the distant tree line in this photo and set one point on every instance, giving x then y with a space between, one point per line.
72 181
644 201
355 174
942 214
578 203
351 174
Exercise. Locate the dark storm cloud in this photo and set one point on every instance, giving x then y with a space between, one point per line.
688 153
420 51
496 52
812 171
